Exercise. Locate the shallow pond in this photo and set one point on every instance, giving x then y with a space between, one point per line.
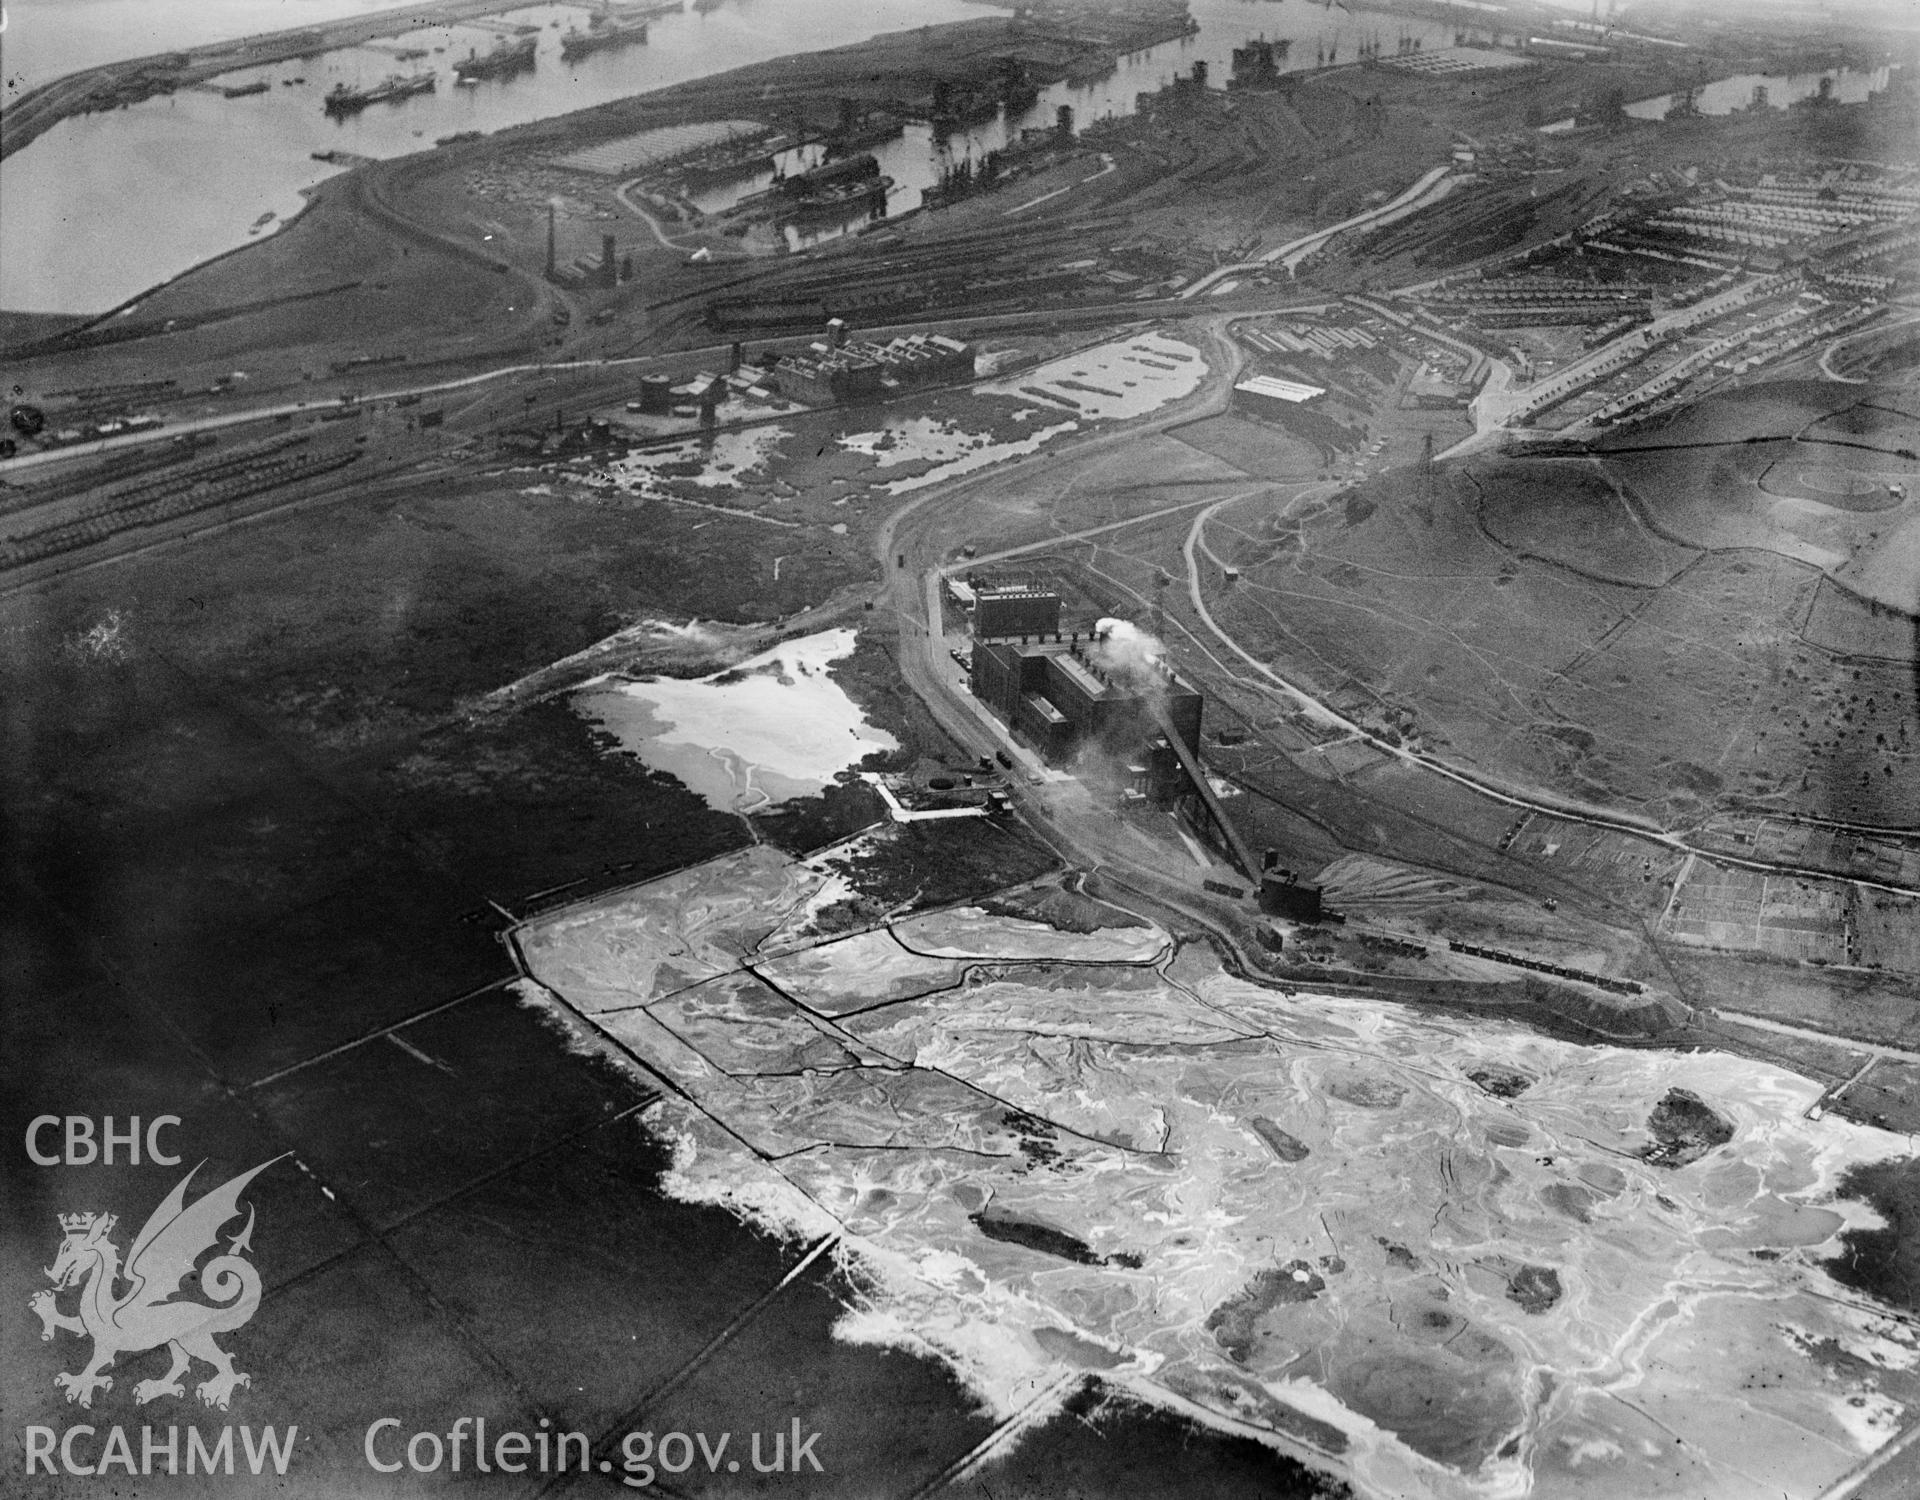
771 729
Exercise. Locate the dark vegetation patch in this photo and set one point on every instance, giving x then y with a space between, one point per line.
1502 1083
870 675
1036 1136
1048 1240
1083 1352
1684 1129
1697 778
1042 1237
1534 1288
940 863
1287 1147
527 801
807 823
1368 1093
1884 1262
1235 1322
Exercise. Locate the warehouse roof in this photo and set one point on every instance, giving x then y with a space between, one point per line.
1280 390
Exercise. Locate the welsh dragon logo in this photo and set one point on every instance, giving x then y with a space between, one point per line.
143 1316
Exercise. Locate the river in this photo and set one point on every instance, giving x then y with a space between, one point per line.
105 206
1724 96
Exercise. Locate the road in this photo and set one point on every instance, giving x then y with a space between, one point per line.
676 360
1570 812
1211 399
928 530
1826 358
624 194
1428 189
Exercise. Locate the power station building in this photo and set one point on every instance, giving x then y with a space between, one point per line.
1056 697
1003 610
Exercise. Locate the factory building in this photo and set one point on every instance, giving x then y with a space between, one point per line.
1004 610
823 376
919 359
1270 396
860 369
1056 697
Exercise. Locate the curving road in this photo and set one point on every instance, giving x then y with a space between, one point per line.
914 544
1571 812
1432 186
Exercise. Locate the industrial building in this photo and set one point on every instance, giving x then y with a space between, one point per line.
1268 395
1106 691
1004 610
1282 895
919 359
1054 694
862 369
824 375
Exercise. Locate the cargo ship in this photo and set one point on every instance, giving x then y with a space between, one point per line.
342 100
729 161
504 61
842 200
604 36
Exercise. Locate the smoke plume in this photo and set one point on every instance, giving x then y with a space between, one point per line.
1124 651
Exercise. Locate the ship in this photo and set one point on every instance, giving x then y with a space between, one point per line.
240 91
342 100
602 37
842 200
872 132
704 172
729 161
504 61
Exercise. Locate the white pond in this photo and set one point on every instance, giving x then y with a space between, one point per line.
1112 382
950 449
724 461
771 729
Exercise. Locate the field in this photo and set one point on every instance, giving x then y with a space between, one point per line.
1742 910
1789 467
1537 619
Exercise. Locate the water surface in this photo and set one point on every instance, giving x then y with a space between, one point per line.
104 206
